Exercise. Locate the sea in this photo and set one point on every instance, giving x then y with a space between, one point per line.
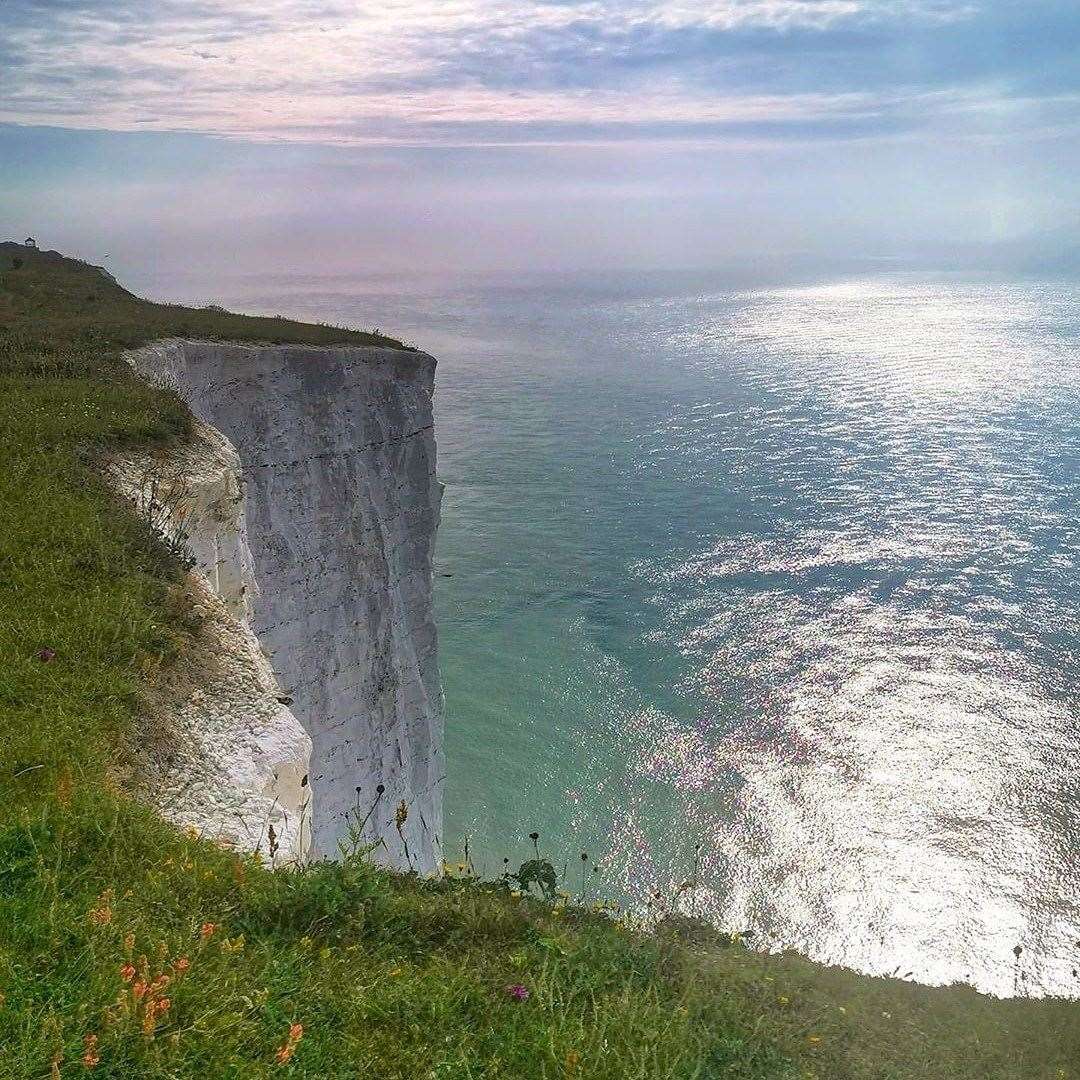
760 605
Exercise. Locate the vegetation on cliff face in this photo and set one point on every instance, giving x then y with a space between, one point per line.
130 950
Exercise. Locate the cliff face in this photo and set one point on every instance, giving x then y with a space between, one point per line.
336 457
220 751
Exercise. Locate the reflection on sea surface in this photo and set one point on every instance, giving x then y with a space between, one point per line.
804 593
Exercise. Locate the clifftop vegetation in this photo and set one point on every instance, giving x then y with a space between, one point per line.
129 950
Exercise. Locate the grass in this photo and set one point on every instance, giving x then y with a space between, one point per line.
387 976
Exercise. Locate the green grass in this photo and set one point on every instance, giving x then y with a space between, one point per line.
390 977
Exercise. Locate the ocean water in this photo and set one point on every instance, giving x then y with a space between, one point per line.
771 591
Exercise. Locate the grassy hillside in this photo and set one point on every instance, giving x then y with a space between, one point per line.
130 950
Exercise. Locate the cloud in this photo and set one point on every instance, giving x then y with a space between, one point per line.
479 71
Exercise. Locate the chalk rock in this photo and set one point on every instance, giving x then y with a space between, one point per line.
335 455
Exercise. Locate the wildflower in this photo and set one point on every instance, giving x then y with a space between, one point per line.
518 992
127 972
162 1005
90 1051
401 815
206 931
102 914
288 1047
813 1039
46 655
394 972
783 1000
129 943
573 1059
138 991
181 965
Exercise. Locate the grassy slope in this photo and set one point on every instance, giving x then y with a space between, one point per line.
390 977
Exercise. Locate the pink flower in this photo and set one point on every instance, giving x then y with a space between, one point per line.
518 992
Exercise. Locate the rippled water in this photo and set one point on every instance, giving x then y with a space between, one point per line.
791 575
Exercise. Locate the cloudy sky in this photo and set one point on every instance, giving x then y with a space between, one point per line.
484 135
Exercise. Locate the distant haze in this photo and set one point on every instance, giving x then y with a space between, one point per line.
760 137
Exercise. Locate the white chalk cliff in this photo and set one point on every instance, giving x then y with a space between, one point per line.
309 502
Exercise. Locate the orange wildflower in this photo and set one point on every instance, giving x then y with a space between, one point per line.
207 930
138 990
90 1052
127 972
288 1048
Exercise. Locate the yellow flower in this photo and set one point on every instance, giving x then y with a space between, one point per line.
813 1038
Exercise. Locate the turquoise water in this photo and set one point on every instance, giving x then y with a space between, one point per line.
781 583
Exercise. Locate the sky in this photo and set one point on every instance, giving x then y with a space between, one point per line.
473 136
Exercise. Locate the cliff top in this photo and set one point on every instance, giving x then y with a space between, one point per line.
129 949
64 299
